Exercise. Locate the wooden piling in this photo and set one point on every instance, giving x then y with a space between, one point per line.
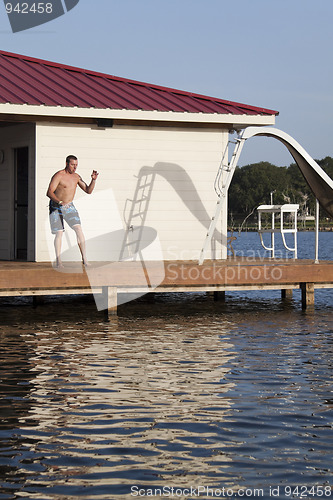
307 290
110 300
219 296
287 293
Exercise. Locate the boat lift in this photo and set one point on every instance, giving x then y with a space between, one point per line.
281 210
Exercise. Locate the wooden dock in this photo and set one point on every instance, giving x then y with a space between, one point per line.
113 278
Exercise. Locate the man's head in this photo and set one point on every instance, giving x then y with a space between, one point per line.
71 163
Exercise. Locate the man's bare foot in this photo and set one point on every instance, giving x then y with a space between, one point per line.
86 264
59 265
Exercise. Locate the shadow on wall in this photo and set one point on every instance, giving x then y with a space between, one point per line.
180 181
138 242
116 243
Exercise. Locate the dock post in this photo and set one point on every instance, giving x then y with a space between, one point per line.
37 300
219 296
287 293
110 298
307 295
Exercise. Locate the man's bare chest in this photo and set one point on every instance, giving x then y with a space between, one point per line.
68 183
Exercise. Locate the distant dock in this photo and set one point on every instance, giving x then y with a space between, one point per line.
234 274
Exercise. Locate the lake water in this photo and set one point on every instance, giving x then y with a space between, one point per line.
182 397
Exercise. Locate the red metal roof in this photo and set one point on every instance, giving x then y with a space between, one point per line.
26 80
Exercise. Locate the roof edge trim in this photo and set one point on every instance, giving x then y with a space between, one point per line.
124 114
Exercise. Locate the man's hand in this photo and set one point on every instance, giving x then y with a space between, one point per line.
94 175
88 189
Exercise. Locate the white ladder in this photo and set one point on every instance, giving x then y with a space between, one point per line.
221 186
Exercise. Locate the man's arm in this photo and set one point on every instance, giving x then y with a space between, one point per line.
52 187
88 189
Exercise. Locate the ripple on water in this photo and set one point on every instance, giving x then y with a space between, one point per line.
193 395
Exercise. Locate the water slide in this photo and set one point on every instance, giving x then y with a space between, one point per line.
320 183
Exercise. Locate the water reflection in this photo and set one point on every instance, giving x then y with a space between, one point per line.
192 394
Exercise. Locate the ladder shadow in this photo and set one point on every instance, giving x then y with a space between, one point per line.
180 181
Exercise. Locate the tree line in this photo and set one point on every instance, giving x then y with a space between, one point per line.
254 184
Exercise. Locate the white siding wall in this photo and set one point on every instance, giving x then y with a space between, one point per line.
181 162
15 136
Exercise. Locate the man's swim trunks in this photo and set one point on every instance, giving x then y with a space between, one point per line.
59 213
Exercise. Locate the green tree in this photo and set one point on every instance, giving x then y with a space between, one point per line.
327 165
252 184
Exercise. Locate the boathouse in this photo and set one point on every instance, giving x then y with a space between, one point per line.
149 224
157 151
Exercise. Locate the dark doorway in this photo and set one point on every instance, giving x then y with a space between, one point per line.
21 187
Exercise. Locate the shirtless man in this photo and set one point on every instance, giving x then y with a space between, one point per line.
61 192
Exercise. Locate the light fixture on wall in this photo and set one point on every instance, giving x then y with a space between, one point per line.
104 122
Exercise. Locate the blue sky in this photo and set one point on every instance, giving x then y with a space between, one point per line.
270 53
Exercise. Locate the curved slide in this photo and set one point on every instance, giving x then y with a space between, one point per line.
320 183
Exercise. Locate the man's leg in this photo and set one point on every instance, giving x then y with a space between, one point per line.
57 228
57 247
81 242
